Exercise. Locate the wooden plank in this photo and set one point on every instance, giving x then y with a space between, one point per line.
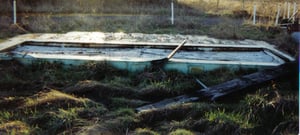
235 85
224 89
167 103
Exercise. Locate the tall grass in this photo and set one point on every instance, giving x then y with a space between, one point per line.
270 109
147 16
220 116
153 7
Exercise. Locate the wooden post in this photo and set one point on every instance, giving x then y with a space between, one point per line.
254 14
201 83
172 12
176 49
15 12
277 16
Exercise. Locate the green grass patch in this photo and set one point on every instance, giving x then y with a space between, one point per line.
182 132
101 98
117 102
145 131
221 116
123 112
6 116
2 40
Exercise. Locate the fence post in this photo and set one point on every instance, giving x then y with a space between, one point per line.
254 14
277 16
294 11
288 10
243 5
15 12
172 12
284 10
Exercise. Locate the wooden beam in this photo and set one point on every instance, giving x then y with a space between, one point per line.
224 89
255 79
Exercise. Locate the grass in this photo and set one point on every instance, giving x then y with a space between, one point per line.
181 132
145 131
106 102
220 116
51 120
2 40
15 127
47 98
146 7
117 102
5 116
192 17
224 27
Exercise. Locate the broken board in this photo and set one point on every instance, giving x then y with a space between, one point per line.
236 85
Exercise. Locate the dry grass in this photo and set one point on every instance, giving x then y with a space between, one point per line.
182 132
111 102
14 128
201 17
53 98
2 40
145 131
92 111
264 7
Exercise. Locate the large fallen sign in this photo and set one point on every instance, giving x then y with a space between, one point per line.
236 85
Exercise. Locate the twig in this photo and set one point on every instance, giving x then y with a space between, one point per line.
21 28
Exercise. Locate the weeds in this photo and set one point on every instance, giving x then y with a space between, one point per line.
14 127
106 102
181 132
145 131
113 94
180 124
213 77
68 116
121 124
267 107
167 83
220 116
6 116
124 102
123 112
52 98
2 40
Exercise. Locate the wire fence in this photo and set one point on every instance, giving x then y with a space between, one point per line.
257 11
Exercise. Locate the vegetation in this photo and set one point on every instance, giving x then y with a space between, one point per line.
46 98
42 100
